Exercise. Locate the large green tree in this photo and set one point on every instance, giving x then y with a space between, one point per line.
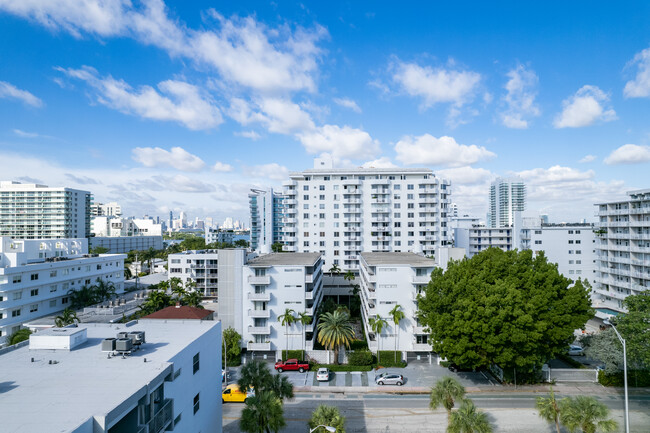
232 341
509 308
605 347
334 331
635 328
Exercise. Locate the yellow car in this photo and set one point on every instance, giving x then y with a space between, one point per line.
232 393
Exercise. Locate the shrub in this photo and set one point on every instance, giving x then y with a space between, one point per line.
341 367
19 336
387 359
635 378
359 345
360 357
290 354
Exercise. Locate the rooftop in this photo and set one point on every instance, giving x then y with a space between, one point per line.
411 259
40 397
285 259
180 312
361 170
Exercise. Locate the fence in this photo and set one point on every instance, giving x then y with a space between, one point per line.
570 375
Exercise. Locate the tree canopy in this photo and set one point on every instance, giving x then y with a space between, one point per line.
635 328
508 308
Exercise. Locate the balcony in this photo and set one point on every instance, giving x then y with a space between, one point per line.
259 330
351 200
380 200
259 280
162 418
421 279
422 347
351 182
289 239
420 329
259 296
382 210
354 191
259 314
289 248
260 347
309 311
289 220
309 295
290 201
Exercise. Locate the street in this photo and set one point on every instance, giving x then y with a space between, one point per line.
508 412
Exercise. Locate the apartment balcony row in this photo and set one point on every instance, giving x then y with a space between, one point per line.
290 192
259 330
260 347
640 223
259 280
259 314
353 191
259 296
289 239
351 182
421 279
352 200
640 262
288 220
422 347
639 236
613 212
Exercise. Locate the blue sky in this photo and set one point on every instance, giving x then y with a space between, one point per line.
186 105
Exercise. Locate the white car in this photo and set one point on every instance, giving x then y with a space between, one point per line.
576 350
323 375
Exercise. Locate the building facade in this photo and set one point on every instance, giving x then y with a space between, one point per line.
64 381
200 267
124 244
36 276
214 235
342 212
108 209
507 196
389 280
116 226
622 250
266 209
32 211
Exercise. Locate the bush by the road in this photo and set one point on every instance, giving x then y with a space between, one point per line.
342 367
635 378
360 357
387 359
291 354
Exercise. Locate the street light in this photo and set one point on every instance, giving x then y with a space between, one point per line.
326 427
622 340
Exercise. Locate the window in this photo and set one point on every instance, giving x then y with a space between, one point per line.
195 368
34 277
17 279
321 187
578 251
64 300
53 303
18 295
53 288
305 187
196 403
33 308
321 197
52 274
570 241
33 292
410 186
538 242
15 313
305 197
538 232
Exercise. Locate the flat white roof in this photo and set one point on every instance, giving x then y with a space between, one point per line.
38 397
391 258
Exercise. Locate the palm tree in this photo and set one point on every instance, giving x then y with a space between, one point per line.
304 319
127 273
176 285
468 420
263 413
549 410
377 324
287 319
349 276
335 269
157 300
193 299
587 414
104 290
280 386
255 374
82 297
397 317
68 317
445 392
334 330
329 416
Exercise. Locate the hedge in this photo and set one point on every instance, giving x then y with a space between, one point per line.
635 378
291 354
342 367
359 345
387 359
360 357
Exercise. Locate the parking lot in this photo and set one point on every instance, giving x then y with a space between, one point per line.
417 375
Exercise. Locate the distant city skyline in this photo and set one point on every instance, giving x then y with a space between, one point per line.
169 106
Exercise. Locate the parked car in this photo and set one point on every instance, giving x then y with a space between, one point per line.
454 368
323 375
233 393
224 374
292 365
575 350
389 379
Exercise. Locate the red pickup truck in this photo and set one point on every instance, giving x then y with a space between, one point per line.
292 365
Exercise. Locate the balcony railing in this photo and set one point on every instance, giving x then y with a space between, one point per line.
259 314
262 279
258 346
162 418
420 347
261 330
259 296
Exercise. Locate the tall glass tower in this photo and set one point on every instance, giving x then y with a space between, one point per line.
507 196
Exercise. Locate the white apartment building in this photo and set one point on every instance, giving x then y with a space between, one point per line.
115 226
64 381
481 238
108 209
388 280
271 284
214 235
507 196
124 244
623 251
36 276
342 212
32 211
266 210
201 267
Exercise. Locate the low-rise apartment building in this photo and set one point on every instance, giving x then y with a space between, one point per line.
198 266
37 274
388 280
65 380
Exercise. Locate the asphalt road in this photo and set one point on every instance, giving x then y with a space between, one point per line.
410 413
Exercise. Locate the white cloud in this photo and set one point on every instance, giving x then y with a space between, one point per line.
284 117
466 175
348 103
556 174
588 105
177 101
383 162
25 134
340 142
629 154
223 167
520 99
640 86
9 91
436 85
272 171
587 158
177 157
82 180
181 183
427 149
248 134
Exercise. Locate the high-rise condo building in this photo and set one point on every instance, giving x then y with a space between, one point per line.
622 251
266 207
32 211
507 196
342 212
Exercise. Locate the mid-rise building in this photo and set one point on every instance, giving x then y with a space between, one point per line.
214 235
65 379
33 211
116 226
108 209
124 244
481 238
343 212
273 283
36 277
389 280
199 267
266 209
507 196
622 251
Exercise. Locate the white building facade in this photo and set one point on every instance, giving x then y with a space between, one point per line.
201 267
266 210
342 212
507 196
623 251
108 209
116 226
271 284
388 280
33 211
36 276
